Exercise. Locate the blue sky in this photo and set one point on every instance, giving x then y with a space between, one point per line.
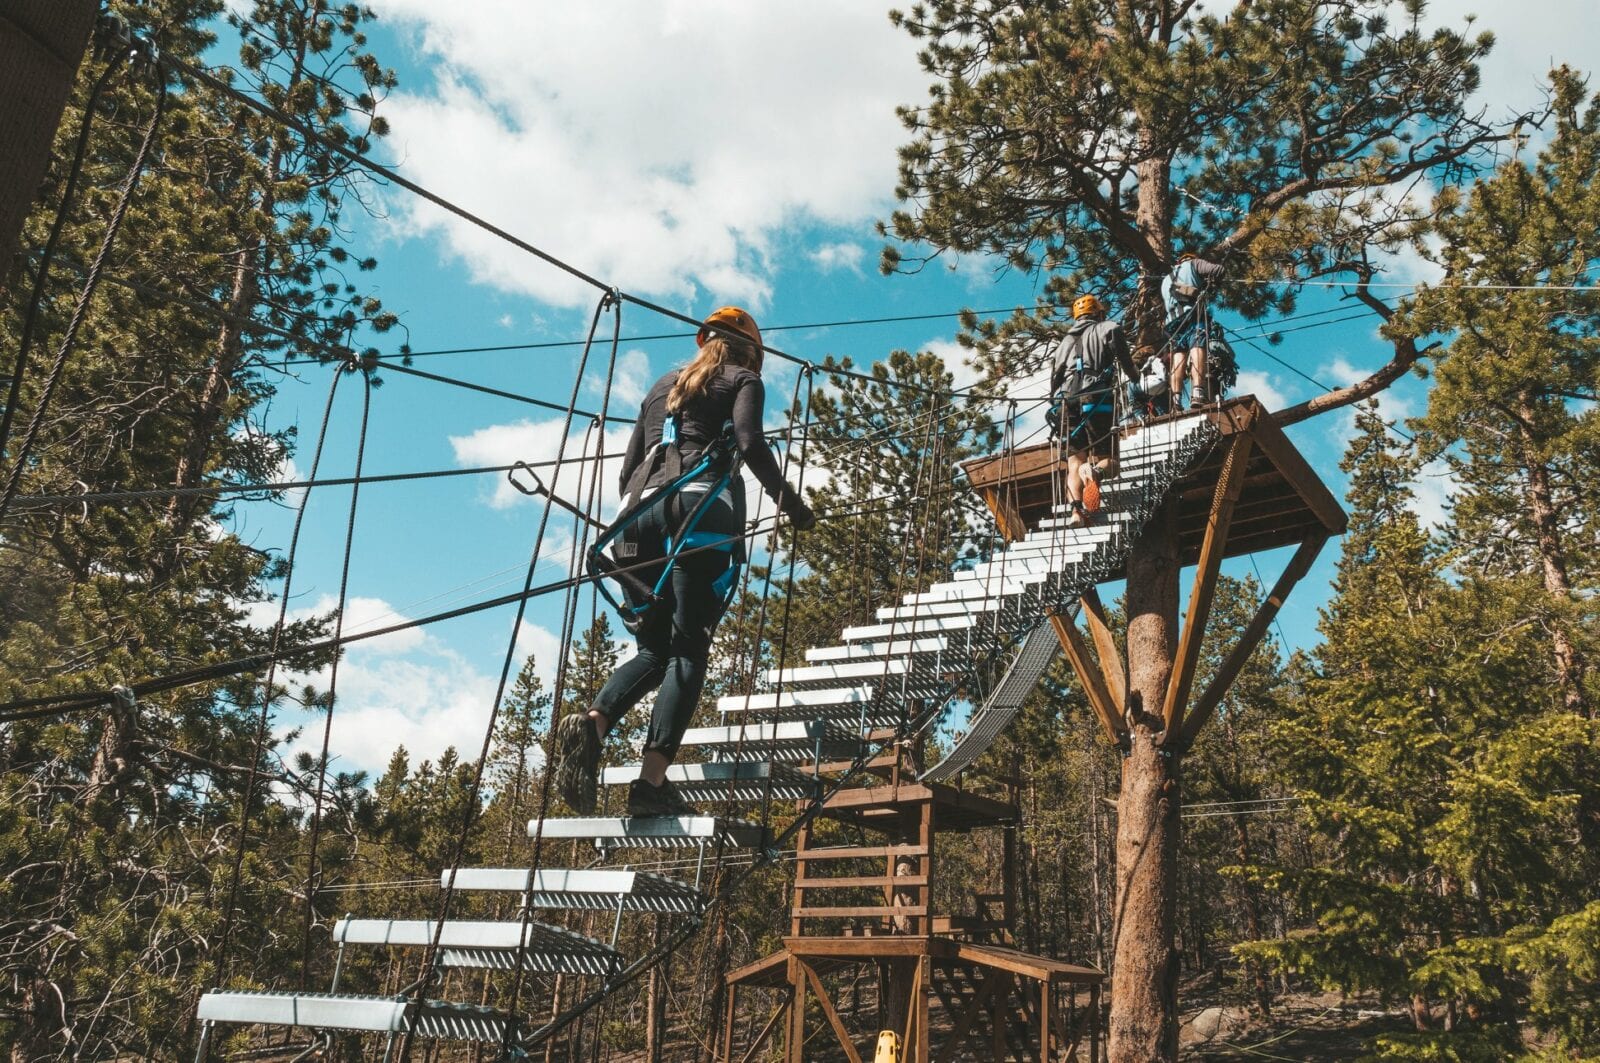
694 153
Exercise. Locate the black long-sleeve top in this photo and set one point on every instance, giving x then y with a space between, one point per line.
734 394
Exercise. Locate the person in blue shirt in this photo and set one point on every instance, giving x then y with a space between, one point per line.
1186 290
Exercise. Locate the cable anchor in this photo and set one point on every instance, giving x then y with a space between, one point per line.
541 490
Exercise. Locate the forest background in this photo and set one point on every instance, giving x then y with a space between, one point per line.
1399 800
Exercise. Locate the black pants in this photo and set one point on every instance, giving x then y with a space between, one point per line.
675 638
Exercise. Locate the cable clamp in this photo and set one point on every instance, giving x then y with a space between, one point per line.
611 297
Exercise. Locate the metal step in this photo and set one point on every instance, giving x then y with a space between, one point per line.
654 832
588 889
968 590
877 650
733 780
790 742
817 703
335 1011
495 946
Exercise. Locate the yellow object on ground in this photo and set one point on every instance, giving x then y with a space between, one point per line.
888 1047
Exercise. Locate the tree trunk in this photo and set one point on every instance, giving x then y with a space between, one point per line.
1570 665
1144 1006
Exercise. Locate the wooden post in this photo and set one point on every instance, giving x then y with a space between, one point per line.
729 1009
794 1047
920 1003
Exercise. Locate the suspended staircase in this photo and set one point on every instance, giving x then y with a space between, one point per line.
982 638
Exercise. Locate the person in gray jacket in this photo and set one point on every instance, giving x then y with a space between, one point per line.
1083 381
1189 325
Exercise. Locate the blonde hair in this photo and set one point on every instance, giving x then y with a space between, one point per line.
694 378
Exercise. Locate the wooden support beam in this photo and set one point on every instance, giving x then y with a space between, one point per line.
1271 441
1006 517
1208 701
830 1014
766 1031
964 1027
1105 647
1205 583
1094 684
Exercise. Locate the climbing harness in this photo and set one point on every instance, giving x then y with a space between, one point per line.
638 595
1095 394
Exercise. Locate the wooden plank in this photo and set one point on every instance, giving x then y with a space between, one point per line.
865 911
831 1015
1208 701
765 965
968 1017
1105 647
1266 434
865 852
1205 584
867 947
1027 965
848 881
1094 684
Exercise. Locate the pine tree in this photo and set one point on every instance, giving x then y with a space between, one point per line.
1440 776
125 817
1090 142
1515 389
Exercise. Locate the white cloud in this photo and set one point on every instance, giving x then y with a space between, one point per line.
830 257
632 379
956 359
1259 384
662 147
540 441
1529 41
408 688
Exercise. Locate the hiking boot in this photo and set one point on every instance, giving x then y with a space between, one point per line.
1091 488
577 762
664 800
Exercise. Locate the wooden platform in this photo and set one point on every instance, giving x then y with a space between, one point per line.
1281 501
885 807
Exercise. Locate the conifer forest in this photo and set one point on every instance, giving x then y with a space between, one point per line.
1382 844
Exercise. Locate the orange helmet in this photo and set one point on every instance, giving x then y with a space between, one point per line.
1084 305
730 317
1186 256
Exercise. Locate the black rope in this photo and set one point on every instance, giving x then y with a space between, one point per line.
30 318
19 461
263 720
333 686
569 621
59 704
37 501
471 810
